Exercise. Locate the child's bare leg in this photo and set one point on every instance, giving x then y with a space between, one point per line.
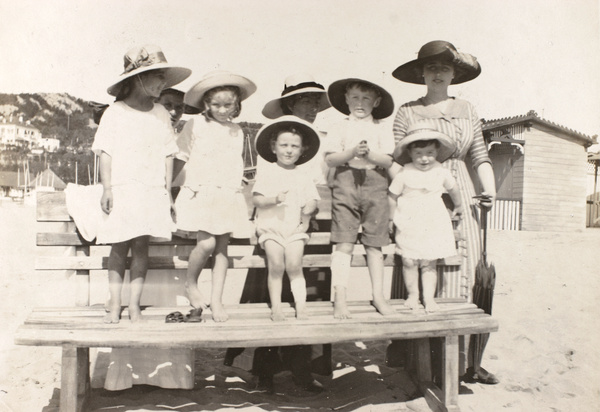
410 272
116 271
276 266
219 273
137 272
429 279
205 246
340 272
375 264
293 265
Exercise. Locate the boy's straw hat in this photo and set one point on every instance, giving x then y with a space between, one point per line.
467 65
424 130
142 59
296 84
194 96
310 138
337 91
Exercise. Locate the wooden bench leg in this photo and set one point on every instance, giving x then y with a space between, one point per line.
75 378
446 398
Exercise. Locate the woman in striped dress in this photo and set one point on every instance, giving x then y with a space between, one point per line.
439 65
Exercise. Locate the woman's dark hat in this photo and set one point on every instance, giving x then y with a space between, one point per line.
337 92
467 65
310 138
296 84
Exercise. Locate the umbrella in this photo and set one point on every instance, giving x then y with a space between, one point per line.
483 295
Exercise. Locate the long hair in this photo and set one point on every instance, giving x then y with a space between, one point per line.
207 97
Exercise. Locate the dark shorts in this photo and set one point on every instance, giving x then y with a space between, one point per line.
360 198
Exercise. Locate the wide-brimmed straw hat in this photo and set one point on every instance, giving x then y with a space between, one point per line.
194 96
467 65
310 138
337 91
299 83
424 130
149 57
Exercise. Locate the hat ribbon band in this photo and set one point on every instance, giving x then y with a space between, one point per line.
144 59
425 129
299 86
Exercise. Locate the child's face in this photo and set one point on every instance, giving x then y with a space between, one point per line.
424 158
222 105
152 82
174 106
288 149
361 103
437 73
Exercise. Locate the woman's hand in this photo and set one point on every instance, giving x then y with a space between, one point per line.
486 200
106 202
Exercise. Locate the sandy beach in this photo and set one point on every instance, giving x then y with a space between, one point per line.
545 353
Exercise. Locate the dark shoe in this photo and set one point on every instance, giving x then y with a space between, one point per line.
481 376
231 354
321 365
194 316
174 317
265 384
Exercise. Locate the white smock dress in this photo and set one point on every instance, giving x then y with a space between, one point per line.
424 229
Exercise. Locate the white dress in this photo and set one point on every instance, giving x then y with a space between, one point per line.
424 228
211 199
138 144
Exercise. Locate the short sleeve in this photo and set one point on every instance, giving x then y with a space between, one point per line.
397 185
185 141
310 191
334 141
449 181
478 150
108 131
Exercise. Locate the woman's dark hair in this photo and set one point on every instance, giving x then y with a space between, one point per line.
206 98
288 103
423 143
125 89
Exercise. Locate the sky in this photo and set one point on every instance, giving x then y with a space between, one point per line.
541 55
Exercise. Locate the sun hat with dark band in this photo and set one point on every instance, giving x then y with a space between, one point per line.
310 138
337 96
424 130
467 65
296 84
149 57
194 96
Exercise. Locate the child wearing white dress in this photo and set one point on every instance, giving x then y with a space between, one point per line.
136 145
210 202
424 231
285 197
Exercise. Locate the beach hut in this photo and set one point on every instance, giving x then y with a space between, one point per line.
14 184
541 175
48 181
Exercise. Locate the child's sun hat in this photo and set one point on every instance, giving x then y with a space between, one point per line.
194 96
310 138
299 83
424 130
467 65
337 91
149 57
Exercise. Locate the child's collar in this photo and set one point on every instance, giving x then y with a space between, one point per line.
368 119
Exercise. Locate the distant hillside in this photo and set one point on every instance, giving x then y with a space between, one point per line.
56 115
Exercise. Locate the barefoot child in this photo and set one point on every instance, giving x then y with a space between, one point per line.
210 202
360 149
135 142
285 197
424 231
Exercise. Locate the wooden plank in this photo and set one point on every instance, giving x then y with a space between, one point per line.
75 381
450 372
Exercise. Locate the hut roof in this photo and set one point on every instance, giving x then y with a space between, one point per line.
14 179
529 119
48 178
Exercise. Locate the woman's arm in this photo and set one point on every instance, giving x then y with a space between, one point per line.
488 183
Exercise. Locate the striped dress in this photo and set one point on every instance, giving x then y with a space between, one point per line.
460 122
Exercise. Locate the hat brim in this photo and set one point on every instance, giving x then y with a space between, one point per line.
412 72
173 75
273 110
193 97
446 149
310 138
337 97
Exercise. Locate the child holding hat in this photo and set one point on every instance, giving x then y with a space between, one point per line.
360 149
210 201
285 198
424 231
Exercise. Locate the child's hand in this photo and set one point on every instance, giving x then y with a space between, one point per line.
361 149
391 228
458 211
281 197
106 202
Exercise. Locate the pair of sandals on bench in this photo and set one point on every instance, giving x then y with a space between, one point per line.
194 316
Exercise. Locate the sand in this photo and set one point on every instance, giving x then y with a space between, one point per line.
545 353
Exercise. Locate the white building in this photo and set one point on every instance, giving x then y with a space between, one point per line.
21 134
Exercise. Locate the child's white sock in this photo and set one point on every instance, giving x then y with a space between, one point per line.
340 269
298 287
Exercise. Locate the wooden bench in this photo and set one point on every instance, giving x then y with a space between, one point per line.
78 328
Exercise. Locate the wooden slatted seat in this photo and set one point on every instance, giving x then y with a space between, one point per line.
78 328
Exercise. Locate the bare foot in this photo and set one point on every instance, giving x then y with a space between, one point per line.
113 314
135 313
340 311
218 312
195 297
384 307
277 315
301 314
412 302
431 306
